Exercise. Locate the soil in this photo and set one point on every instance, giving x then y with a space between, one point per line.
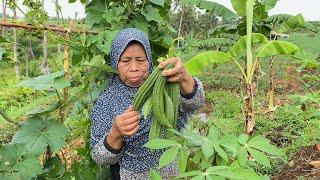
299 167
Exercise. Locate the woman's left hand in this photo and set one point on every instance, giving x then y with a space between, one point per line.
178 74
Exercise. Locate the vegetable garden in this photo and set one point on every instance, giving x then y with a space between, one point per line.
261 75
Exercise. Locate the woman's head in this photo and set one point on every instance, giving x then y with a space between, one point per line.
130 54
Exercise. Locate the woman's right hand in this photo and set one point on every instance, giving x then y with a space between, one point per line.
126 124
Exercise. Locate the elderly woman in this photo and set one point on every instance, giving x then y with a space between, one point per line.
119 131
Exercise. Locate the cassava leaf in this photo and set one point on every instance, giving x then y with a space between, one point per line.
261 143
242 156
207 149
168 156
183 159
160 143
260 157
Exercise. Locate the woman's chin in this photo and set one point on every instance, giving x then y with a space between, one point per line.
134 83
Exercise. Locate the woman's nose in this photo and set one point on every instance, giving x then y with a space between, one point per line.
133 65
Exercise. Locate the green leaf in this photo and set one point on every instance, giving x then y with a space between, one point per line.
35 134
291 24
72 1
12 152
238 49
147 107
114 14
260 157
207 149
196 64
46 82
243 173
213 134
243 139
261 143
158 2
243 156
269 4
189 174
230 142
183 159
200 177
274 48
152 14
168 156
160 143
239 6
28 168
221 152
46 110
155 175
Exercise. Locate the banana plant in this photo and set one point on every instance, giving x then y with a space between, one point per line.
251 49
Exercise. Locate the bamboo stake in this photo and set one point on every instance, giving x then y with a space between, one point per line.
44 27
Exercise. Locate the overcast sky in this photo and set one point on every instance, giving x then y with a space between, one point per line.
308 8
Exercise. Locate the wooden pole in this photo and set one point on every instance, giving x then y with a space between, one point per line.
45 27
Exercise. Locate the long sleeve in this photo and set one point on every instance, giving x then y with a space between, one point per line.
101 124
194 100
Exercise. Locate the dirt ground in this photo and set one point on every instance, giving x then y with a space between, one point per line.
299 167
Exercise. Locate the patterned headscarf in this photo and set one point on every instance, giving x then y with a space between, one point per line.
122 39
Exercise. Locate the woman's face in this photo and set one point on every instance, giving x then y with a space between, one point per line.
133 65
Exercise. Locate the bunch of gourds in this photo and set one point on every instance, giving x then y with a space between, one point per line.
161 98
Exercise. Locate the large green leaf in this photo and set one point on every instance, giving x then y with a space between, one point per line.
46 82
12 152
291 24
35 134
28 168
168 156
239 48
260 157
274 48
196 64
152 14
239 6
160 143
